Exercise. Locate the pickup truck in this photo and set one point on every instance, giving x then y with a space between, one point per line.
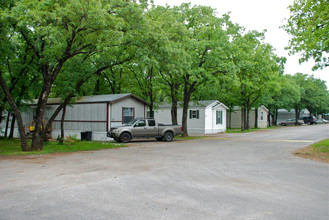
144 128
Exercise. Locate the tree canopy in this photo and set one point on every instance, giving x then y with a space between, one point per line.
309 26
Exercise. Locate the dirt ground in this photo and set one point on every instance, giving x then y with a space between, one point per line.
309 153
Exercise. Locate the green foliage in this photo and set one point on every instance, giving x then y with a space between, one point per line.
309 26
314 94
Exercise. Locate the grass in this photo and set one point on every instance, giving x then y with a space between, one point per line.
189 137
238 130
318 151
13 147
322 146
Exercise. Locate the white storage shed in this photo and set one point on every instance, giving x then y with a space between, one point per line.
204 117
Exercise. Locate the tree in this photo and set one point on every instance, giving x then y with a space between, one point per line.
282 92
58 31
208 54
309 26
257 66
314 93
169 33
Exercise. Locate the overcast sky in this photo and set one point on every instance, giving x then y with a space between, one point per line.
259 15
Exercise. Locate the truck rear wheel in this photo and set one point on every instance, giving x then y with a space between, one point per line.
125 137
168 136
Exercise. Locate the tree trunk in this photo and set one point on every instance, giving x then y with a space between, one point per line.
269 116
242 117
12 127
230 116
37 136
174 112
18 115
7 124
62 125
151 92
174 101
1 110
184 117
247 119
188 90
256 117
296 114
151 111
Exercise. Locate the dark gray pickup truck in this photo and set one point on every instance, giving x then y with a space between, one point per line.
144 128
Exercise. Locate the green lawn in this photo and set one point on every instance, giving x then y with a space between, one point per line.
321 146
189 137
13 147
238 130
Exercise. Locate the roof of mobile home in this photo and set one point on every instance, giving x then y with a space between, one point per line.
112 98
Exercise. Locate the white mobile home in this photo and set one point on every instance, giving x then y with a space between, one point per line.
204 117
92 113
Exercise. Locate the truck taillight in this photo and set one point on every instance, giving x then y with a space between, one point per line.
181 128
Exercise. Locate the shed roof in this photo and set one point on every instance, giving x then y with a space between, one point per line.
112 98
238 108
204 103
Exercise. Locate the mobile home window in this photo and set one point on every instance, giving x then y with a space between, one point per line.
128 115
194 114
262 116
219 117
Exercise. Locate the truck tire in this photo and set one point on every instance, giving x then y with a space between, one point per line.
168 136
125 137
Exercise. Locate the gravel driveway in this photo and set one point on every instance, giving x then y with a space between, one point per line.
226 176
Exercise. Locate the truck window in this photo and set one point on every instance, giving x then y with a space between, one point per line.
141 123
151 123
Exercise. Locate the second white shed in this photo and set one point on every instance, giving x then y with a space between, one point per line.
204 117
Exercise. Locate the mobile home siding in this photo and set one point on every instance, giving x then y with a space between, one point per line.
83 117
116 110
89 113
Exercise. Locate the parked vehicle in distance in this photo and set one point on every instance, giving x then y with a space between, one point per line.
322 121
309 120
144 128
291 121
